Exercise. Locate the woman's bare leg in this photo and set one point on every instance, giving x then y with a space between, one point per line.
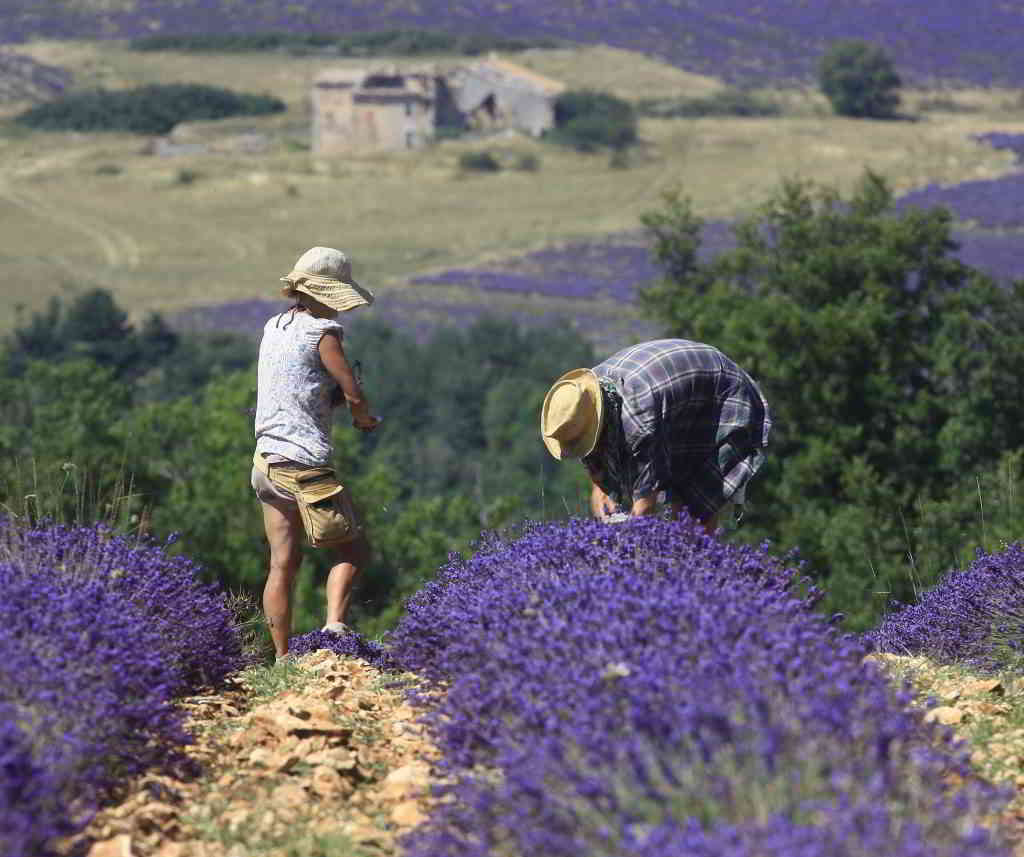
284 532
349 561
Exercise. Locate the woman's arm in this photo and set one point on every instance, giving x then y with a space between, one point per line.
333 357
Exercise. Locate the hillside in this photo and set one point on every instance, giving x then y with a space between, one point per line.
194 231
778 40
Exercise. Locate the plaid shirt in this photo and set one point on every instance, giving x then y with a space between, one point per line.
691 423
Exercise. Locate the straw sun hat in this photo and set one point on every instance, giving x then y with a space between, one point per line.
326 274
571 417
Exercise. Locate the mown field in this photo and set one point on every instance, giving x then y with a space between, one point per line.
177 233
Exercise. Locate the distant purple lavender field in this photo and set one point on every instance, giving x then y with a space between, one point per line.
776 40
597 274
992 203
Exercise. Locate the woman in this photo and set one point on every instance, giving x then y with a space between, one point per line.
302 365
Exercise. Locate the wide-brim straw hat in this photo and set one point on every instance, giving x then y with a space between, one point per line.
325 274
572 415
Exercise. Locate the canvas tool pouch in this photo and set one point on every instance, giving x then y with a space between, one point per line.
324 505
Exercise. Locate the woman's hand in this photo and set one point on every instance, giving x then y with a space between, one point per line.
366 423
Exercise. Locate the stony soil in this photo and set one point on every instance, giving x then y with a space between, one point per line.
985 711
337 764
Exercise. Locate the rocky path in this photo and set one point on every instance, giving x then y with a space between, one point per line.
333 765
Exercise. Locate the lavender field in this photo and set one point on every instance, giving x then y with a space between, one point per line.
774 41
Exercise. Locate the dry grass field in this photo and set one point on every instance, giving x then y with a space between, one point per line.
167 233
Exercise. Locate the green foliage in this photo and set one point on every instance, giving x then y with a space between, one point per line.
727 102
589 120
158 361
153 109
479 162
392 42
859 80
889 367
153 429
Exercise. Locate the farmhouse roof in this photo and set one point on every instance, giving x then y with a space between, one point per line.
510 69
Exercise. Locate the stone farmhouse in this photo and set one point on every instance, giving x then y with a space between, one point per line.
390 108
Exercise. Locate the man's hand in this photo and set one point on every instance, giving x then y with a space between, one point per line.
601 505
644 506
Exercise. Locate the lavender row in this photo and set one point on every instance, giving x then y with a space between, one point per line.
992 203
1006 142
644 689
973 615
777 40
99 635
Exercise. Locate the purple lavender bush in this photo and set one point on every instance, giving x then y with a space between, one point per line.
351 644
645 689
1005 142
973 615
99 633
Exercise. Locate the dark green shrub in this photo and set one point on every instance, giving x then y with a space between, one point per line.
154 109
859 80
728 102
479 162
393 42
589 120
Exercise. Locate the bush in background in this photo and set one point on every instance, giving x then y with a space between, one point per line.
644 689
99 633
589 120
153 109
859 80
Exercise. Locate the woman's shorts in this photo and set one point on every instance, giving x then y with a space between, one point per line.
323 503
266 490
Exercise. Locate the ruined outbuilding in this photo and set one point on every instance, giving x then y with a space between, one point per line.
388 108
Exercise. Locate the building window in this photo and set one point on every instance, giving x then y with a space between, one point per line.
408 108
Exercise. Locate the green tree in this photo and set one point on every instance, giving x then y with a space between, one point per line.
859 80
889 367
589 120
